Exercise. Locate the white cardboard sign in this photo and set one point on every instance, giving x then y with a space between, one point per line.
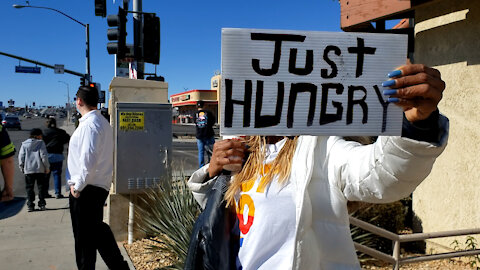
277 82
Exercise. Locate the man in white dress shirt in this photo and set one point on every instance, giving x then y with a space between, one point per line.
90 166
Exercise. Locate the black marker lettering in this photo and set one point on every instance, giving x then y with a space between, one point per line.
247 103
277 38
294 90
292 67
262 121
361 50
326 118
384 106
334 72
361 102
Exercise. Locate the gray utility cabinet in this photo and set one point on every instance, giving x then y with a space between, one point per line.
143 146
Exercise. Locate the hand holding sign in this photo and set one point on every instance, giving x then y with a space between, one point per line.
223 153
418 90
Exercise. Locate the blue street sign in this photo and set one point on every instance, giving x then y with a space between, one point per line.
25 69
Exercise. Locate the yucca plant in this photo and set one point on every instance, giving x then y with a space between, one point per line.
166 214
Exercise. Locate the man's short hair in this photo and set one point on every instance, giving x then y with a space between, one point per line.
89 95
35 132
51 123
200 104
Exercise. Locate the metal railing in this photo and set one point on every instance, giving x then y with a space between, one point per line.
395 258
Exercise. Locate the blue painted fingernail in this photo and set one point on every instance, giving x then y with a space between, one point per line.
388 83
394 73
393 100
389 92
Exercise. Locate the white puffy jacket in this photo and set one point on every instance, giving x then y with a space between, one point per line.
329 171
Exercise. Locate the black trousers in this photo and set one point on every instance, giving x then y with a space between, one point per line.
91 233
30 180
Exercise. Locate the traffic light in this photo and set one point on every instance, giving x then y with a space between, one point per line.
82 81
151 38
101 8
119 33
95 85
99 89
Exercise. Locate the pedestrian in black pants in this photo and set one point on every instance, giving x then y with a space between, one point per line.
89 175
33 162
91 233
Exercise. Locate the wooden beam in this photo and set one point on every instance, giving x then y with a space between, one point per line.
355 12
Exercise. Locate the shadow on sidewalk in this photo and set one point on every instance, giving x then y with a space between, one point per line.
11 208
58 208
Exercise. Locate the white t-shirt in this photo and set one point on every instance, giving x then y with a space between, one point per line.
266 220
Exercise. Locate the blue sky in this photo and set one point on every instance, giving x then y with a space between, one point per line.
190 40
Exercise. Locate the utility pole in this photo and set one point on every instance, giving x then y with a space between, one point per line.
138 37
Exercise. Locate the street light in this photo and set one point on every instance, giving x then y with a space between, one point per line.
68 101
87 32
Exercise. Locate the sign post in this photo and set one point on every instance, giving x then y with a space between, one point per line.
308 83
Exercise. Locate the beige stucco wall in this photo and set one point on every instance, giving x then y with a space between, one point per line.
448 38
137 91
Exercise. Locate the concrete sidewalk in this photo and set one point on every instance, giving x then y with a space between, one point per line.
40 239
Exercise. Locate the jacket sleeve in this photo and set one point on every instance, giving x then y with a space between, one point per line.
199 186
21 158
44 156
386 171
65 137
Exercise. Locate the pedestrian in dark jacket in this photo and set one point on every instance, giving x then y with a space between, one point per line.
204 121
33 162
55 138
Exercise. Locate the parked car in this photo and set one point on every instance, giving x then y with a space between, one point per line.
12 121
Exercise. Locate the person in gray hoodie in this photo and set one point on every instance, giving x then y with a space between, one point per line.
33 162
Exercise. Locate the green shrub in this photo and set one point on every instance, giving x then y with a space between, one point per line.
166 214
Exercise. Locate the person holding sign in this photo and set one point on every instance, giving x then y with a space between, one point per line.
291 194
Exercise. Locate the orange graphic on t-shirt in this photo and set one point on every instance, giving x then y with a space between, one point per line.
246 200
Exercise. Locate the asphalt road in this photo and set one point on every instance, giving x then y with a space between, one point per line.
184 153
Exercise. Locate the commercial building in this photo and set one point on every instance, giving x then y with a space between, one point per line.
184 104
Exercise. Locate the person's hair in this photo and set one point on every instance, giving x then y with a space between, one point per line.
89 95
200 104
35 132
281 165
51 123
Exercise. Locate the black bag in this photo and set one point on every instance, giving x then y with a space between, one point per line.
213 245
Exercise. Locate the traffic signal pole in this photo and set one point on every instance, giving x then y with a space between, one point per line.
138 37
87 32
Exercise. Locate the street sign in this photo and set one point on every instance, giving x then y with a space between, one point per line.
25 69
59 69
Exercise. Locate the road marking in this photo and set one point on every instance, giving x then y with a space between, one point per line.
186 153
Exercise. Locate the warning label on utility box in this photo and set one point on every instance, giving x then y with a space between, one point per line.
132 121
